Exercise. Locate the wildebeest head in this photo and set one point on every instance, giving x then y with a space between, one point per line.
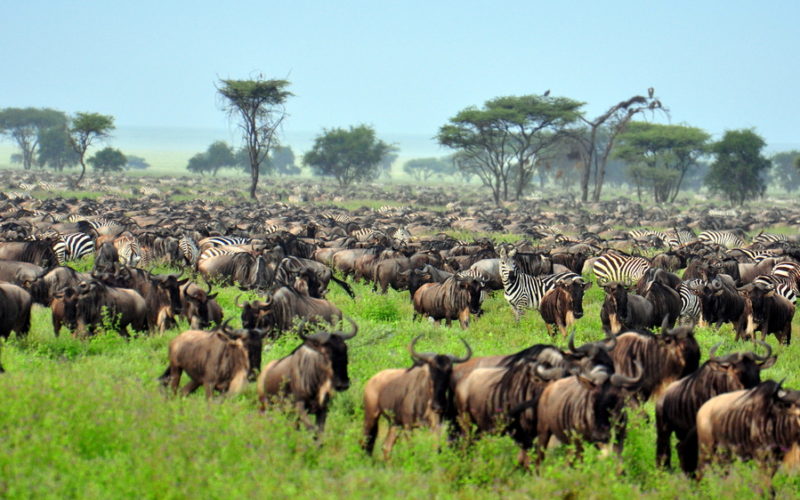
592 354
196 305
170 285
473 286
617 299
332 345
742 366
610 391
759 294
680 348
256 313
576 287
440 368
252 338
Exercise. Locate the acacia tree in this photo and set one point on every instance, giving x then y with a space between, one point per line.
786 169
84 130
108 160
25 126
595 147
259 107
422 169
660 155
501 142
55 149
739 169
348 155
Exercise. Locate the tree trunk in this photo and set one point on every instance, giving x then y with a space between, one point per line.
83 172
253 180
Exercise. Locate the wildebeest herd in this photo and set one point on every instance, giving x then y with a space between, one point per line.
658 286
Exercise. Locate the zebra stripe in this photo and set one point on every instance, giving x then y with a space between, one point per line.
222 241
691 307
618 267
789 272
189 250
727 239
77 245
781 287
129 251
766 238
216 251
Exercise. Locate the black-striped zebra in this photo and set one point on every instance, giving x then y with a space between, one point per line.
339 218
128 250
523 291
216 251
691 306
767 238
789 272
728 239
781 287
367 234
189 250
73 246
677 238
223 241
617 267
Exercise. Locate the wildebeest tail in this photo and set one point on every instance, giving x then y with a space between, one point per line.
164 378
688 450
344 286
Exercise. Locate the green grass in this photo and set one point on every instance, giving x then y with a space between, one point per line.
87 419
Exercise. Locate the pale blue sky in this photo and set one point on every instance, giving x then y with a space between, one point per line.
404 67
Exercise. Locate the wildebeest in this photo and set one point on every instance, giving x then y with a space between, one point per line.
317 274
623 310
160 292
587 407
106 258
765 311
562 305
51 281
762 423
678 405
664 358
419 395
456 298
721 302
15 311
39 252
278 311
242 269
124 307
199 306
218 360
309 375
19 273
390 272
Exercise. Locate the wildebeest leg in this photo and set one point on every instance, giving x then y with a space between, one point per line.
391 437
370 432
463 319
663 451
541 445
549 328
524 459
303 414
174 378
322 416
190 387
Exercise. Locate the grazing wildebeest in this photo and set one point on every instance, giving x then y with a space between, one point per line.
765 311
125 307
762 423
19 273
309 375
39 252
317 274
665 358
456 298
623 310
15 311
419 395
200 307
391 272
678 405
242 269
218 360
587 407
53 280
278 311
63 309
562 305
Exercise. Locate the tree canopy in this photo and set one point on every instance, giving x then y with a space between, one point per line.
501 142
108 160
348 155
55 149
786 169
258 107
659 156
84 130
136 163
25 126
423 169
739 169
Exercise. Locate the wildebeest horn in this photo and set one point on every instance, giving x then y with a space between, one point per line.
236 301
665 325
571 341
419 356
620 380
763 359
224 326
549 373
319 338
353 330
713 350
612 342
465 358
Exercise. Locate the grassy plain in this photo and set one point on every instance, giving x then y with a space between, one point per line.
87 419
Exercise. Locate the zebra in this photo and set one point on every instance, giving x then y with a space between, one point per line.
523 291
402 236
617 267
767 238
221 241
367 234
728 239
339 218
789 273
781 287
74 246
221 250
189 250
128 249
691 306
